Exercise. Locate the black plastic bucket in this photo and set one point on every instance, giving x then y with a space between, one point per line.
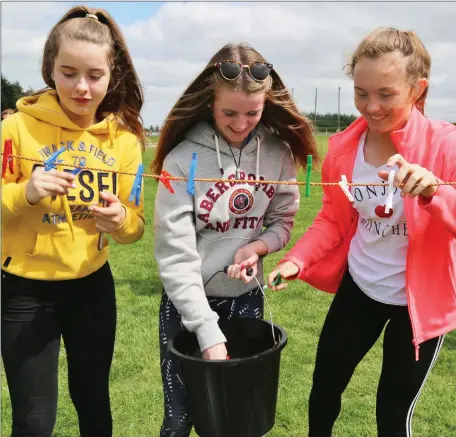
237 397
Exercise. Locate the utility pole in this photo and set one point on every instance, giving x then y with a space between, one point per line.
338 111
315 110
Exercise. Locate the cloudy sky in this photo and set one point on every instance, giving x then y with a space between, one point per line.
308 43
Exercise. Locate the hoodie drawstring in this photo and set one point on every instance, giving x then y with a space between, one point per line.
111 133
257 174
63 197
219 159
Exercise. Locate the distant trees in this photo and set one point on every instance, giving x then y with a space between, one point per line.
330 120
11 93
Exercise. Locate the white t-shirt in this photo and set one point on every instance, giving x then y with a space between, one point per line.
377 255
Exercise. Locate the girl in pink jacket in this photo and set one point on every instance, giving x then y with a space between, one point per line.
393 268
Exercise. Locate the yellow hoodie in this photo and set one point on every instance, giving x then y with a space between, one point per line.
37 242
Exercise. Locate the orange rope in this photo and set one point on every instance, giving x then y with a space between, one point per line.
249 181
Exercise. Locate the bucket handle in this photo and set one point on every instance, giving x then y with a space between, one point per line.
277 280
249 272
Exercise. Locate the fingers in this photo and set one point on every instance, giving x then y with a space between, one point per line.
383 174
413 179
423 185
113 208
246 278
56 176
249 262
50 188
109 197
272 277
396 159
279 287
239 271
108 211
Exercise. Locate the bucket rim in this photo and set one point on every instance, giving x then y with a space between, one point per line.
236 361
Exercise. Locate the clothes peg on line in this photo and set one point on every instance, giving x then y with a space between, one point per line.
389 197
164 179
50 164
7 158
191 174
52 161
137 184
308 174
76 170
343 183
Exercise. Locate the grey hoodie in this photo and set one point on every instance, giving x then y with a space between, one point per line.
196 236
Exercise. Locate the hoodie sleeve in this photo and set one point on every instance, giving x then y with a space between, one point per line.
179 263
14 201
132 229
279 216
322 236
442 205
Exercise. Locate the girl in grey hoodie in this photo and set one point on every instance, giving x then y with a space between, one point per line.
240 119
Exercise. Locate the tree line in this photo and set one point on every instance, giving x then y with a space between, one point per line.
13 91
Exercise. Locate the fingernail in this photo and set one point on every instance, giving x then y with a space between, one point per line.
73 185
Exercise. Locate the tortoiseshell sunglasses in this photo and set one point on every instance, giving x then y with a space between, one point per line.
231 70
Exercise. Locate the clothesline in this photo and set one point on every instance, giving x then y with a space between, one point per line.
248 181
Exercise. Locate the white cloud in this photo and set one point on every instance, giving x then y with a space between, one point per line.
308 43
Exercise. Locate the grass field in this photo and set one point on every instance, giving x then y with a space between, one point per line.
135 378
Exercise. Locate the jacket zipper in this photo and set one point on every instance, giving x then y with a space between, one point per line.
407 268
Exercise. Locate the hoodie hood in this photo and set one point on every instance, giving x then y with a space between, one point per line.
46 107
205 135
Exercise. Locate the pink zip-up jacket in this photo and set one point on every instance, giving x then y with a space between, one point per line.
322 252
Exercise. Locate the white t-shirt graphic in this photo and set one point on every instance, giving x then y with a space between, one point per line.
377 255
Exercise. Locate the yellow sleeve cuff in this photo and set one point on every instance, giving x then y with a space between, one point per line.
13 198
131 229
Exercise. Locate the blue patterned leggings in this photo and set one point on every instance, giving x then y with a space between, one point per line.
176 421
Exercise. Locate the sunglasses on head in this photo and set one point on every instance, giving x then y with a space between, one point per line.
231 70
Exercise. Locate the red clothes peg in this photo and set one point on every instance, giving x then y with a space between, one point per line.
164 178
7 158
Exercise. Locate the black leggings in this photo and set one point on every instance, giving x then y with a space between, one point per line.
352 326
35 314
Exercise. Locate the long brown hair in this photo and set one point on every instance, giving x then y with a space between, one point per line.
387 40
124 97
280 113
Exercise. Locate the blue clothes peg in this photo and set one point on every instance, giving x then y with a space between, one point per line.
76 170
137 184
191 175
52 161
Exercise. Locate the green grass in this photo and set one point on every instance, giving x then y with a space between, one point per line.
151 141
135 378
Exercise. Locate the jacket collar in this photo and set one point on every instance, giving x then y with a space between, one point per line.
403 139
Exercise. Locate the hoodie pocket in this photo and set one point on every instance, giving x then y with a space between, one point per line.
61 246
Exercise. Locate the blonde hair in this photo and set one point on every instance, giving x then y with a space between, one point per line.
388 40
280 112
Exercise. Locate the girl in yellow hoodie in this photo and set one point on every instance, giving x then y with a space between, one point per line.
56 281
